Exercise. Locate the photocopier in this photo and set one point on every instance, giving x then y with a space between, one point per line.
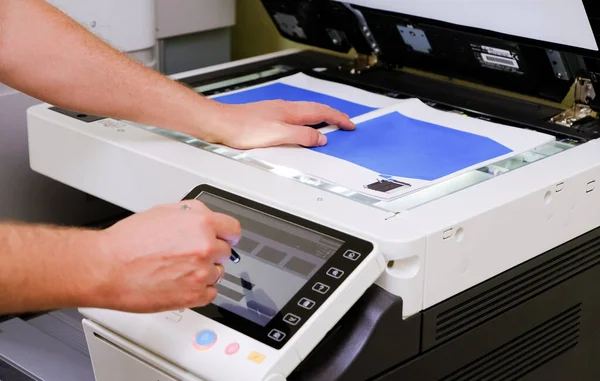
407 267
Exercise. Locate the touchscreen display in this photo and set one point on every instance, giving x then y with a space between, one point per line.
277 260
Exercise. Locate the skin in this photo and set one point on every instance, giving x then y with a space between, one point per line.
164 258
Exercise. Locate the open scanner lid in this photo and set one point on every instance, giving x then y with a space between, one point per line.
534 47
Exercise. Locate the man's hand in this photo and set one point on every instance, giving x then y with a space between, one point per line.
166 258
49 56
272 123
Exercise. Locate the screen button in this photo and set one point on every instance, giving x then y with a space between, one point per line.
291 319
335 273
276 335
306 303
205 340
351 255
321 288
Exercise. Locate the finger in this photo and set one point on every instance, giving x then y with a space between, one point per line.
215 274
219 253
210 294
311 113
302 135
204 298
226 228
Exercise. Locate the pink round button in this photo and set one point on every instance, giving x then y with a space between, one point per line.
232 349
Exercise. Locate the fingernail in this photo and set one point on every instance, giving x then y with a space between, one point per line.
322 140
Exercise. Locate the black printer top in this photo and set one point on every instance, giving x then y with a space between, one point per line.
534 47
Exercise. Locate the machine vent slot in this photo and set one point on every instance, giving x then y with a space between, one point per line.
517 290
61 331
526 353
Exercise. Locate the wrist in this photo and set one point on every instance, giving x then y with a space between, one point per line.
207 120
94 255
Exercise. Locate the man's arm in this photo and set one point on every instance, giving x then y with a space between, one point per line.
49 56
43 267
161 259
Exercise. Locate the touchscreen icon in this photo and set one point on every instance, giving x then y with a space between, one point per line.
335 273
306 303
321 288
276 335
291 319
351 255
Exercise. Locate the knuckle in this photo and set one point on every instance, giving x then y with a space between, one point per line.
206 249
205 219
203 254
312 136
288 109
209 295
319 107
209 247
200 275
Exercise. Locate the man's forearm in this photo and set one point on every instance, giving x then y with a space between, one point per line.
49 56
44 268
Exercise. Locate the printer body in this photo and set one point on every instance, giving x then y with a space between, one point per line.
488 275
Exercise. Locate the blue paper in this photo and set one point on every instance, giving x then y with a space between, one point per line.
281 91
396 145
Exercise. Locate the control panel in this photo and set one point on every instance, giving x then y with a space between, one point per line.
294 280
289 267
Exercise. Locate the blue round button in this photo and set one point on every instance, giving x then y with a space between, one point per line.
205 340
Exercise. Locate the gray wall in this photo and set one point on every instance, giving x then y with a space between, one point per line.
193 51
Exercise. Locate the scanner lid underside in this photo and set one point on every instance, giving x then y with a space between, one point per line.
532 47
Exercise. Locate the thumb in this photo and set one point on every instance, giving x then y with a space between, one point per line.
301 135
